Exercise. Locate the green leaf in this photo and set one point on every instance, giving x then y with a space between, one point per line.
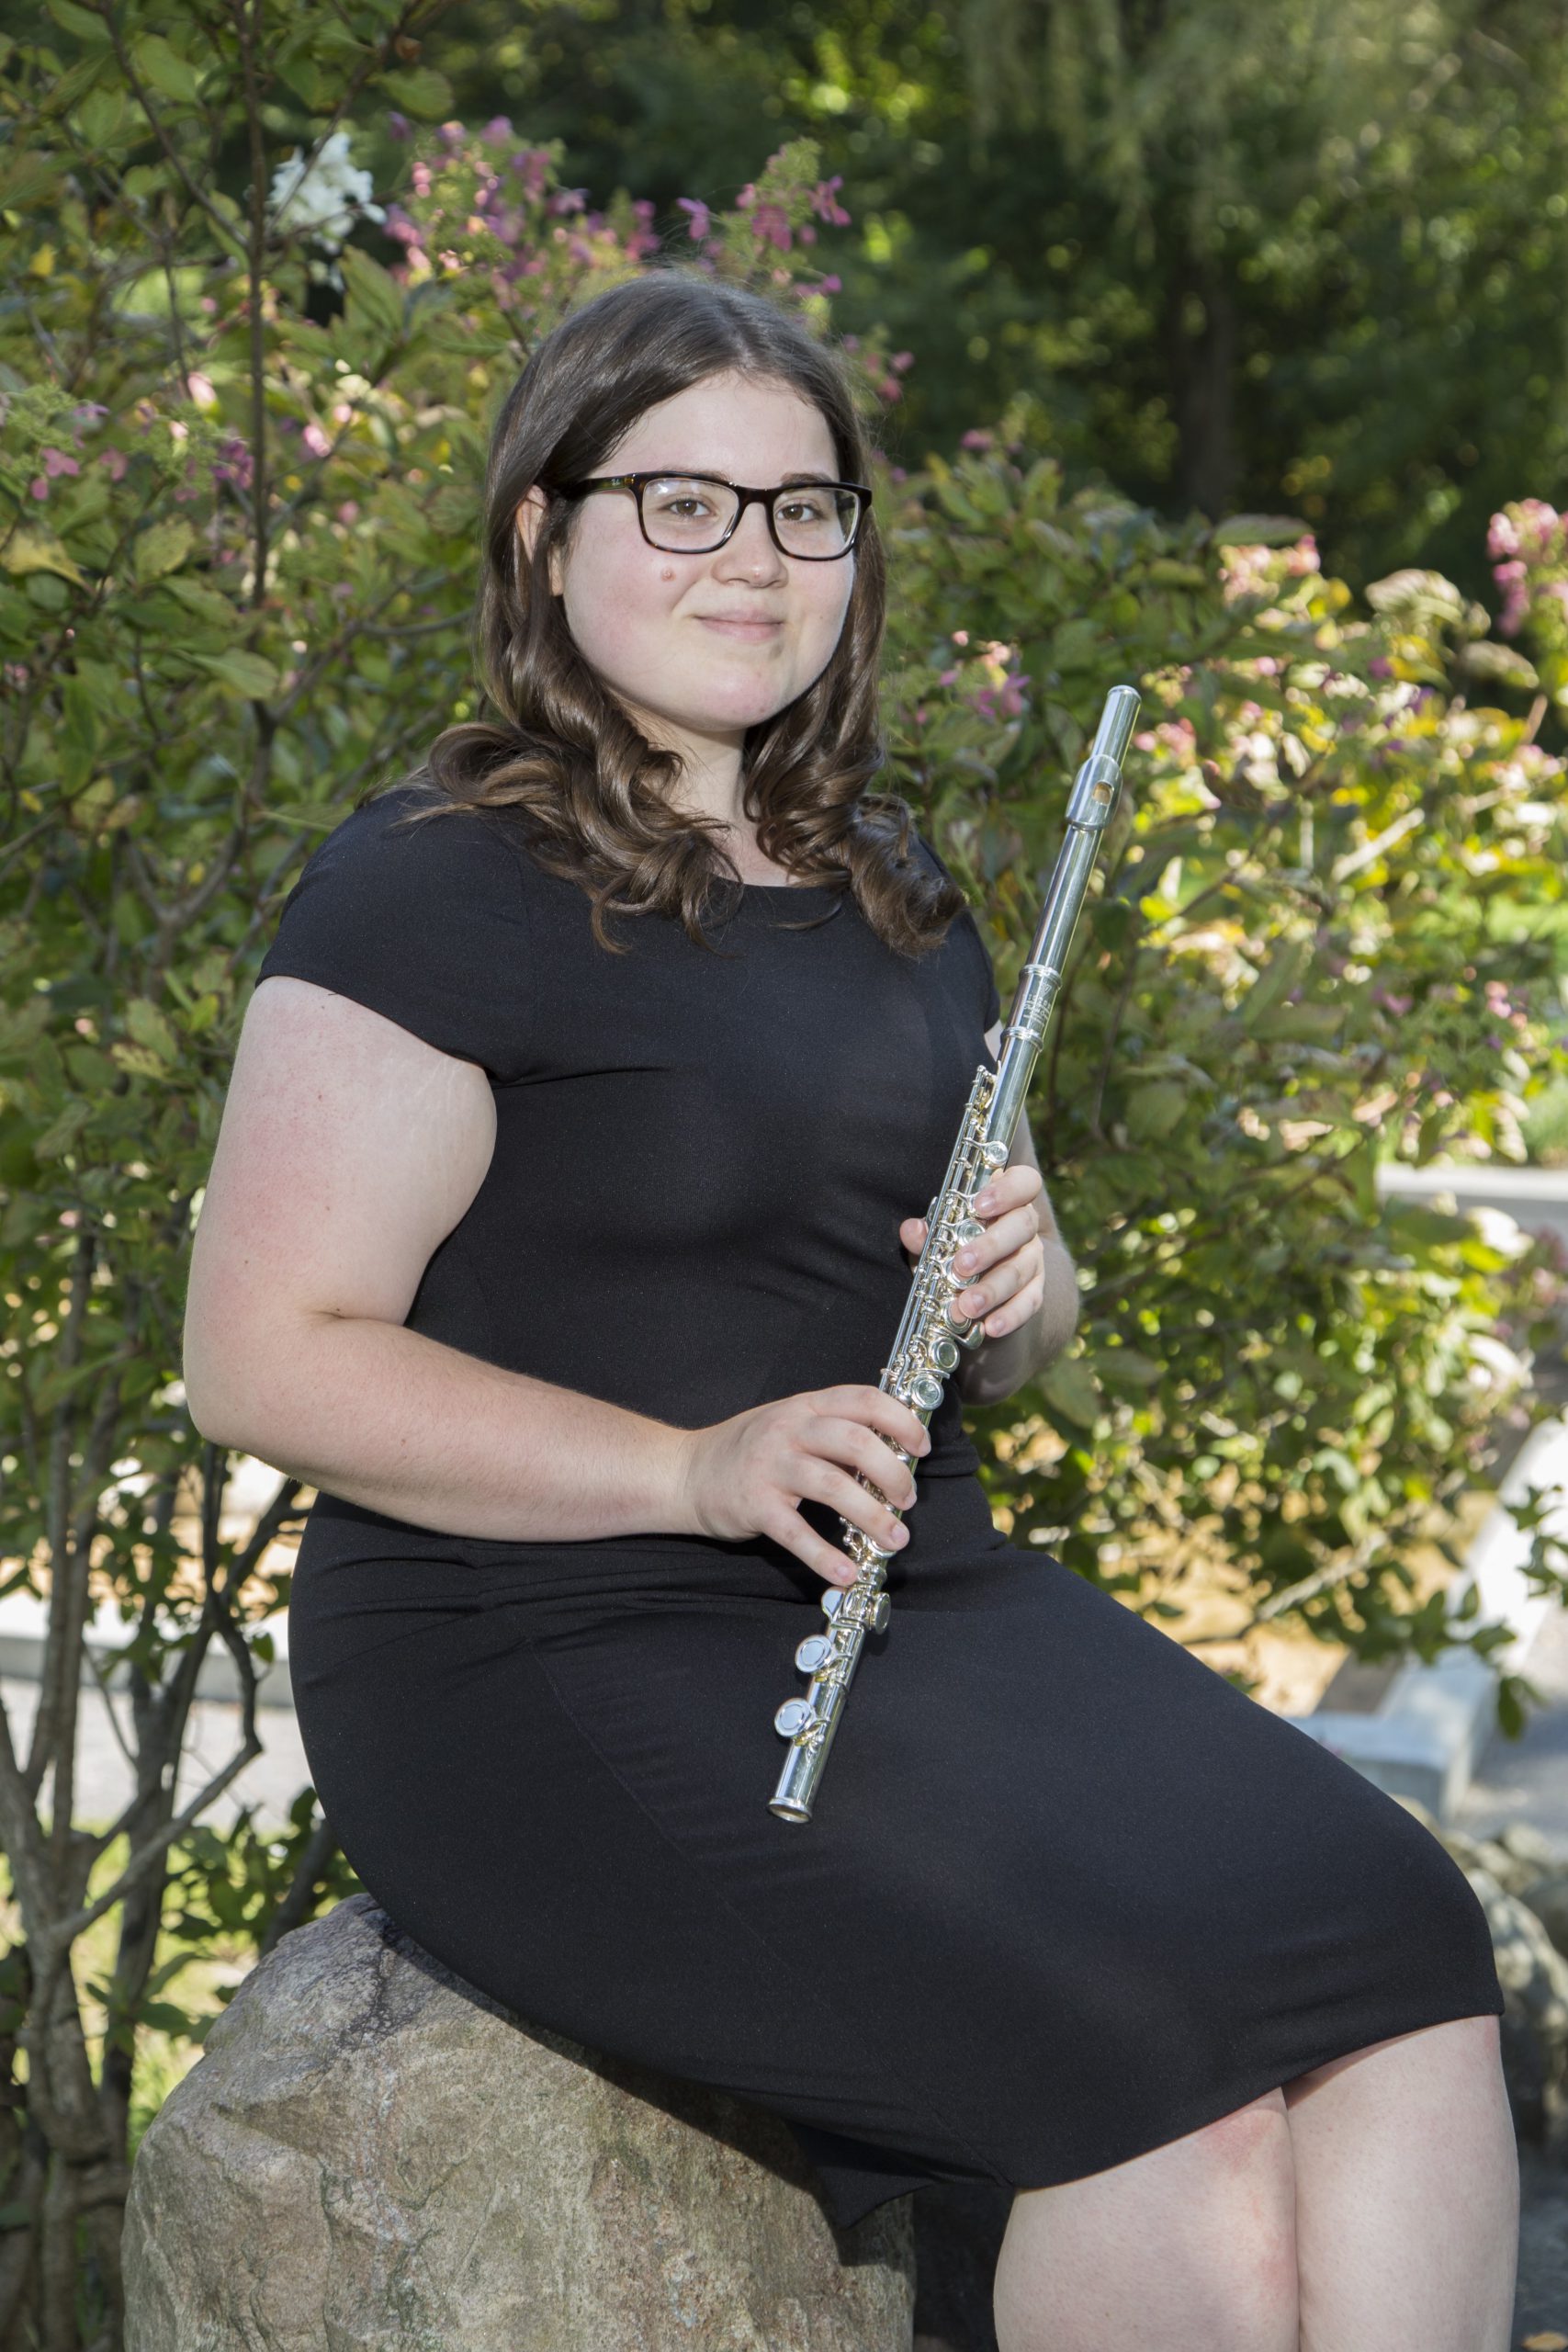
156 63
1152 1111
80 23
1276 980
163 547
1258 531
420 91
150 1027
372 290
1314 1025
249 676
62 1132
1069 1388
33 547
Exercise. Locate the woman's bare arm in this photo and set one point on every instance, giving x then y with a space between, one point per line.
349 1150
1000 1367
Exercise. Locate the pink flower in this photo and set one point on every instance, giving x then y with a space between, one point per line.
826 204
232 463
349 511
698 225
420 174
114 463
316 441
532 164
55 461
1502 539
771 225
497 132
976 438
830 285
39 486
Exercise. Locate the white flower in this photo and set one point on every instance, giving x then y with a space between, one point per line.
323 198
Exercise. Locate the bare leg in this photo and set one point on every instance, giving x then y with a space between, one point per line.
1191 2246
1407 2194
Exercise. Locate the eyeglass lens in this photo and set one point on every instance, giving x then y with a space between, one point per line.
681 514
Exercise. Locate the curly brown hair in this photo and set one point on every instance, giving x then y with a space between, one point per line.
561 750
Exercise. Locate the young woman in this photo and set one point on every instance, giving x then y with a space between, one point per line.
558 1230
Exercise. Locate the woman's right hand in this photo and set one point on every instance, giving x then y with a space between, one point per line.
749 1474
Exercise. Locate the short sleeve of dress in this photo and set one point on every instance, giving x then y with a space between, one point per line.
971 949
425 922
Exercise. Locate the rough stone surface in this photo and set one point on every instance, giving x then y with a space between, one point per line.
369 2155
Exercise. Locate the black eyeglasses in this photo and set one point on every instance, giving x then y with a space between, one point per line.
695 513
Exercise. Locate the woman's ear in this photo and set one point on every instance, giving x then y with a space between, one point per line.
531 511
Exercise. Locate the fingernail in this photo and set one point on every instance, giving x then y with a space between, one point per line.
964 1260
900 1533
973 1302
983 1201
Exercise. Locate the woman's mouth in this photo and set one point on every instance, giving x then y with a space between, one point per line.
747 632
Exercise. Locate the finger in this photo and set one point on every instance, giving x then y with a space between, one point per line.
824 1482
879 1411
1014 1231
1009 1189
858 1448
787 1528
1020 1309
1002 1282
912 1233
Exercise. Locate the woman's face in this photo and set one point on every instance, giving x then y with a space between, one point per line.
648 620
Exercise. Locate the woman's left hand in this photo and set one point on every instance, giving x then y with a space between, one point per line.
1008 1263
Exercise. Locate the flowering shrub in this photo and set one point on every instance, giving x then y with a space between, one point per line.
1328 937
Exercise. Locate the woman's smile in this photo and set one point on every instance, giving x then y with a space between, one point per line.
747 632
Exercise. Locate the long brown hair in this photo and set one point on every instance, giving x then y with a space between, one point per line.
593 793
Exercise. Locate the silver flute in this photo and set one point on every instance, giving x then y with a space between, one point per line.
932 1332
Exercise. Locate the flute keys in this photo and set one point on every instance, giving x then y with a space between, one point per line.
812 1651
791 1716
925 1391
877 1614
833 1599
944 1355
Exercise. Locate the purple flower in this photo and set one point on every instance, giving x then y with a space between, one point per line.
697 224
772 224
497 132
398 125
825 204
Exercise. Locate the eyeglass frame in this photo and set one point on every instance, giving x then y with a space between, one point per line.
744 492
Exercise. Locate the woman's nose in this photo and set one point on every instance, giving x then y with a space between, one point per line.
750 544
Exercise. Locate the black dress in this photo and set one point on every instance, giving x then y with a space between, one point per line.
1067 1894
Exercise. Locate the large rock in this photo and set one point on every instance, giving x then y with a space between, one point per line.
369 2155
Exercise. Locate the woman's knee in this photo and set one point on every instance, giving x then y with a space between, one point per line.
1200 2232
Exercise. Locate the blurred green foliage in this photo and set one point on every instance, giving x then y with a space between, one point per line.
1308 257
